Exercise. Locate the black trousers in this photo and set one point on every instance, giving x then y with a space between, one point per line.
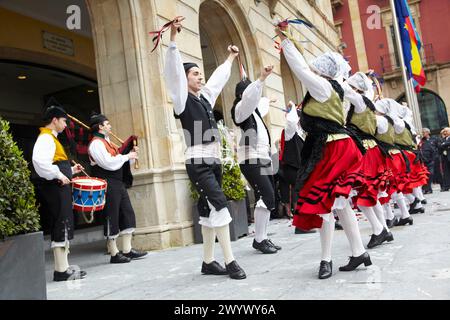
430 167
288 176
206 176
259 175
446 178
56 203
118 211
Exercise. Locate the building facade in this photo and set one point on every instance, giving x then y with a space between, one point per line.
105 64
366 33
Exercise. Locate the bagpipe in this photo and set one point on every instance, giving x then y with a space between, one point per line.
124 148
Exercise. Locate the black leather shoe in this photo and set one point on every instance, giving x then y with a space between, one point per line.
337 226
444 190
273 244
69 274
354 262
264 246
75 268
402 222
390 223
119 258
301 231
413 205
213 268
376 240
235 271
417 210
135 254
424 201
326 269
389 237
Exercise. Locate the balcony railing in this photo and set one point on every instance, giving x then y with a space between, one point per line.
391 62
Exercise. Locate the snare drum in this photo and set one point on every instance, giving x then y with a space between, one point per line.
88 194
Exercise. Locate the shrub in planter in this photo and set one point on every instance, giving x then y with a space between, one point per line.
22 268
18 211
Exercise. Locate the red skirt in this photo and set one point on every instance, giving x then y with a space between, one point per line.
398 167
377 176
335 175
418 176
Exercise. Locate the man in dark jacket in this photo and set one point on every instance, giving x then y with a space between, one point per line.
445 152
428 151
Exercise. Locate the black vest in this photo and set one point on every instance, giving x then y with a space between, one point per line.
198 120
99 172
249 128
292 151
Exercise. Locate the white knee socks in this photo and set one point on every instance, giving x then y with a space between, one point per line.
379 212
126 242
388 210
262 216
400 199
61 260
350 224
377 227
326 237
209 239
223 235
418 193
112 247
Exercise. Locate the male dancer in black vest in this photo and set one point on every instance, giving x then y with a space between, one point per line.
53 189
193 105
254 153
107 163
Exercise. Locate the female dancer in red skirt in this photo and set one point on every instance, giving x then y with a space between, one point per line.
331 160
418 175
397 163
362 119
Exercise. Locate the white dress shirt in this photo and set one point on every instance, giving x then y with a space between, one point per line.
101 157
292 125
176 82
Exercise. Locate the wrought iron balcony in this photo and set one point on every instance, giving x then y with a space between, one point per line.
391 62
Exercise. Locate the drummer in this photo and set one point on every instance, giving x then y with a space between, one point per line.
53 190
107 163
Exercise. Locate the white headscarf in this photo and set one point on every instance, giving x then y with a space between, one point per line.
383 106
360 81
330 64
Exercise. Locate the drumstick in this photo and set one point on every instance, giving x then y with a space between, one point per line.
81 169
279 108
136 163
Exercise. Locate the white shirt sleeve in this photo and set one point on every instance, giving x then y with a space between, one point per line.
382 124
175 78
399 125
291 124
249 102
216 82
263 106
319 88
104 159
353 97
43 152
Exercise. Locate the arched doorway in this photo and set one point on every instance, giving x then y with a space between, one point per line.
222 22
292 88
433 112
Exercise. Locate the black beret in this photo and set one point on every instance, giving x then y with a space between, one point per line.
188 65
97 119
241 86
54 112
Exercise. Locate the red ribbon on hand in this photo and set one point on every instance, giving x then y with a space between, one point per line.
160 32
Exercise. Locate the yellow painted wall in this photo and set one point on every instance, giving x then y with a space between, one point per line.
18 31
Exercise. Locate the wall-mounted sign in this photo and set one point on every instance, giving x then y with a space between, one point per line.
57 43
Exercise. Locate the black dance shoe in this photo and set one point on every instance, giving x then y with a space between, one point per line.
135 254
264 246
376 240
69 274
354 262
235 271
273 244
402 222
413 205
424 201
338 226
213 268
301 231
389 237
326 269
417 210
390 223
119 258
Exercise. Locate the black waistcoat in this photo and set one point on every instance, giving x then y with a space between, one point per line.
249 127
198 120
292 151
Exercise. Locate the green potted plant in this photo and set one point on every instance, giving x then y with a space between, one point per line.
233 187
22 267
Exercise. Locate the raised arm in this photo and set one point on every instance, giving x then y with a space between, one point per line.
291 122
353 97
319 88
219 78
174 74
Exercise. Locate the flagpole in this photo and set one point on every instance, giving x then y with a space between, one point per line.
410 98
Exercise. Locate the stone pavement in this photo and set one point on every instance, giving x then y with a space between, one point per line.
416 265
